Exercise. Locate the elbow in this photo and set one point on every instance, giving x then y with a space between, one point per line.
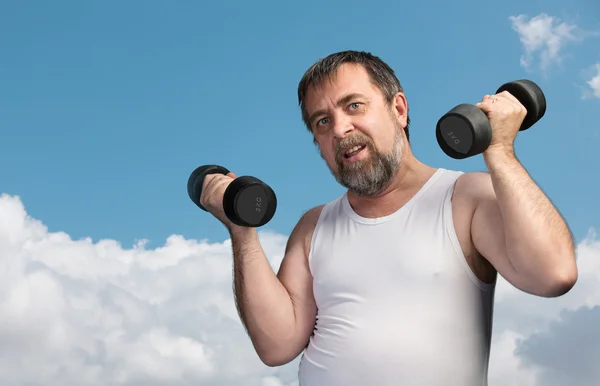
562 281
274 362
279 355
275 359
280 350
566 281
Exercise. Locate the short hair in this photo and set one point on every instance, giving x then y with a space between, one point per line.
380 74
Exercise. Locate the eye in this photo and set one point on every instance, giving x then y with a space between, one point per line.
355 105
322 121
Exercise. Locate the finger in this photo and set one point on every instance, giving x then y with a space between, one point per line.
509 100
487 98
207 180
508 96
206 183
485 107
210 180
217 184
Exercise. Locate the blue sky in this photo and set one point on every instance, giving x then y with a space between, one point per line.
107 107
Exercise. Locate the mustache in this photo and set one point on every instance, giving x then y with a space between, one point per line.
350 142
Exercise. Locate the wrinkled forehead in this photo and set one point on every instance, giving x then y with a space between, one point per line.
347 79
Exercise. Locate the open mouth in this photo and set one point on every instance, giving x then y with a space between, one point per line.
353 151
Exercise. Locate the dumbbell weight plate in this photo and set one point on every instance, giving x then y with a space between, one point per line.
194 185
531 97
249 202
464 131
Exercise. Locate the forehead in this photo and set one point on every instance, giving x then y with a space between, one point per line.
349 78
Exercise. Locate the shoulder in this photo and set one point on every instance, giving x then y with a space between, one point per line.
474 186
309 219
312 215
303 231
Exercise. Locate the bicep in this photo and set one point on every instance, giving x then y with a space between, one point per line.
487 230
294 274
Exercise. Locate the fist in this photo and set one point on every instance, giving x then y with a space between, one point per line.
506 114
213 190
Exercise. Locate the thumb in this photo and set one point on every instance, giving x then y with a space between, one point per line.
231 174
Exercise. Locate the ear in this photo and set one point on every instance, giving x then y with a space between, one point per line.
400 107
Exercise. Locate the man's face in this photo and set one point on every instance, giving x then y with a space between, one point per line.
359 136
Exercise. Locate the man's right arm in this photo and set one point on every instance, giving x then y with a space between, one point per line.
278 311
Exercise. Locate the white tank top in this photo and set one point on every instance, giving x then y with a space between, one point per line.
397 303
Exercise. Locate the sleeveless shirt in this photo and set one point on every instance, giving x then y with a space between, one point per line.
397 303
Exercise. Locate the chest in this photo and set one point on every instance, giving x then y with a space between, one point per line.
368 261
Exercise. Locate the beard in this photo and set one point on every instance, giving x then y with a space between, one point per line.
369 176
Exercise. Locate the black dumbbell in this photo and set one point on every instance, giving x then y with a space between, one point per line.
247 201
465 130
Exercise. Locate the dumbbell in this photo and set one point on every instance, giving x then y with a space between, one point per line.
465 130
247 201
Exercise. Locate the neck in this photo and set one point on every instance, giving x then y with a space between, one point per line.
409 179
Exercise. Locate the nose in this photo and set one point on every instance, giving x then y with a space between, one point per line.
342 126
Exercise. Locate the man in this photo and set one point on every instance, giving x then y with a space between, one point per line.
392 283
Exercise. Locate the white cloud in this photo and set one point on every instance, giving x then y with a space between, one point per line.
78 312
593 83
545 36
83 312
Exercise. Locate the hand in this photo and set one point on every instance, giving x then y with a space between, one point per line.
506 114
213 190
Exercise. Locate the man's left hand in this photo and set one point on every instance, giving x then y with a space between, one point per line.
506 114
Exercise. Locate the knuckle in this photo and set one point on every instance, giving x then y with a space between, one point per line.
213 190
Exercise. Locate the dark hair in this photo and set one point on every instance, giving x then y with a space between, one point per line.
380 73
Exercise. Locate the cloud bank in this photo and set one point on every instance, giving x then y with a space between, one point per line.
84 312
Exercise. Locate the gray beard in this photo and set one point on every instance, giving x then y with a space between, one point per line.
369 177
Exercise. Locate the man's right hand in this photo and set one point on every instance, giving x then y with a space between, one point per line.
213 190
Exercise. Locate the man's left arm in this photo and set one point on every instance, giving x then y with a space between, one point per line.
515 226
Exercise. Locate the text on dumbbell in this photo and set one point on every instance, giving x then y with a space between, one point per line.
257 206
453 137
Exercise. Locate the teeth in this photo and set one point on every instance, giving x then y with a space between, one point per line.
355 148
